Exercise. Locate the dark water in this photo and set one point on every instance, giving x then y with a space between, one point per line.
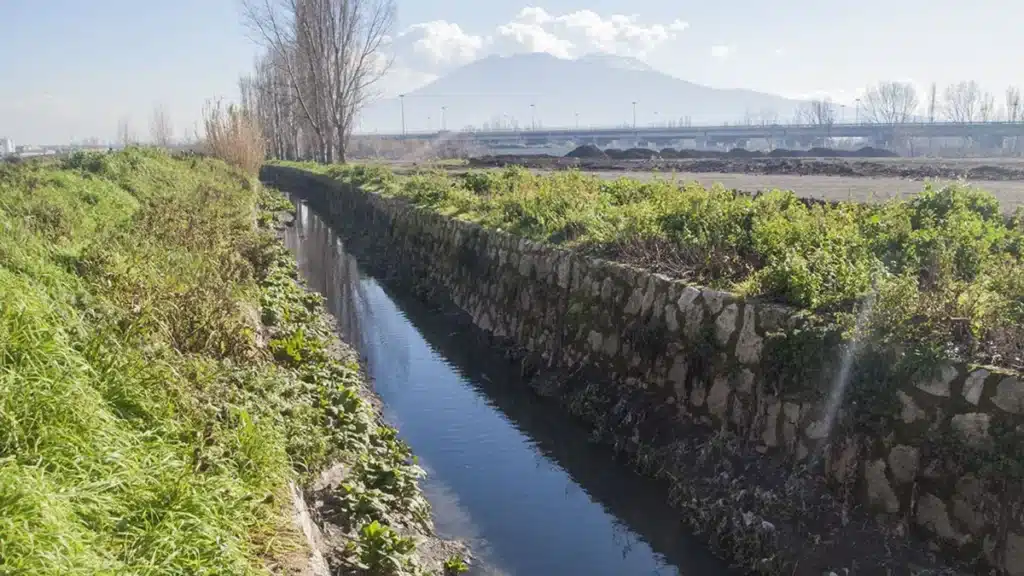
508 472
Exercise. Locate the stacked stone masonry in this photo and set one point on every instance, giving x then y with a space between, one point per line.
701 353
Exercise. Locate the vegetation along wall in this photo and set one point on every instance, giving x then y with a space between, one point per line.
734 402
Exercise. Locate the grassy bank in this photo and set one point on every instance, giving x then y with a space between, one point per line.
944 270
163 377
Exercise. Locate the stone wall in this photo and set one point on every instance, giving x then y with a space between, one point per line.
728 398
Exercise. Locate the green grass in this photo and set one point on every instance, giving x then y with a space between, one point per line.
947 266
143 428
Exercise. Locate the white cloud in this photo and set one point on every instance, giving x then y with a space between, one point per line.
617 34
516 37
534 15
437 46
723 51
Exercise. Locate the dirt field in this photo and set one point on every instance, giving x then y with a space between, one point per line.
829 178
917 169
860 189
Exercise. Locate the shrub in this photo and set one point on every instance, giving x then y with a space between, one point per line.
234 136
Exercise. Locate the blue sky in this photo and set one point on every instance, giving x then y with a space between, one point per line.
72 68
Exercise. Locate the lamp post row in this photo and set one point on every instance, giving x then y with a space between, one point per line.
533 115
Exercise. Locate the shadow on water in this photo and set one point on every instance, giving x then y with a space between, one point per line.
509 472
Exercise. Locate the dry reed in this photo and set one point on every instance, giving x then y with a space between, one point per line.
235 136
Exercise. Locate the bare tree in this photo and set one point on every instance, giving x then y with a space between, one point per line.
1014 106
890 103
330 56
1014 113
267 97
280 26
987 107
820 112
125 133
966 102
359 29
933 97
160 129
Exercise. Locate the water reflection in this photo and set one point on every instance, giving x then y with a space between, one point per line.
508 471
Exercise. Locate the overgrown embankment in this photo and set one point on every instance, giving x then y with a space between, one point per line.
945 269
163 377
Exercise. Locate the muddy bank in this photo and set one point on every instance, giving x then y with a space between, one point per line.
894 168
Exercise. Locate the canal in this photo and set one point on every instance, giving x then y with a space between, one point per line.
508 472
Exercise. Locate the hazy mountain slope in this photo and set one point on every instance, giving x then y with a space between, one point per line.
600 88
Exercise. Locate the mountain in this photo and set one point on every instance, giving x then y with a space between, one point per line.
600 88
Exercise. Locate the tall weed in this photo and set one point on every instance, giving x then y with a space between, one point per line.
235 136
142 430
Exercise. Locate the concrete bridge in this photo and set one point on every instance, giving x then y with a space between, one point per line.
988 135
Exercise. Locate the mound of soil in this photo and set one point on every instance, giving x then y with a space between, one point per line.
872 152
502 160
587 151
822 153
743 153
993 173
631 154
640 154
691 154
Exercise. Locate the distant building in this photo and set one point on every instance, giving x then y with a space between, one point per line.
7 147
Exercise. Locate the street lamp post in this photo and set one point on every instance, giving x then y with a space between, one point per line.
636 137
443 109
401 98
577 114
856 113
533 116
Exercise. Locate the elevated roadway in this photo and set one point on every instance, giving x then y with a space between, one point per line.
988 134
